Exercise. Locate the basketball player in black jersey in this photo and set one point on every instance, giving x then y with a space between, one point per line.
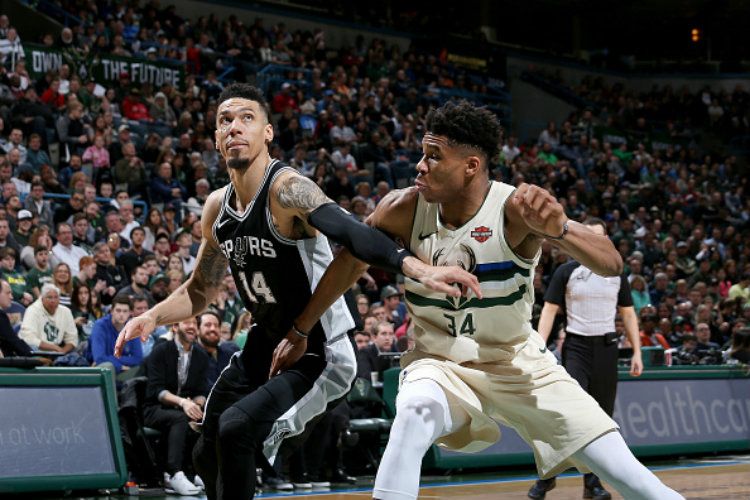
271 226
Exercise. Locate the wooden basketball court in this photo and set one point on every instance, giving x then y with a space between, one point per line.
726 478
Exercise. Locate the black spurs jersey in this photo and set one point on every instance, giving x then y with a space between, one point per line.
275 275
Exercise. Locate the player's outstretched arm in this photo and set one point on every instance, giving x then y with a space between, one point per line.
533 211
302 198
193 296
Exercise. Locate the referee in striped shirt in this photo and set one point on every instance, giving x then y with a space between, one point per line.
590 350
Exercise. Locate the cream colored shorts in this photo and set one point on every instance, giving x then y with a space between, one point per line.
530 393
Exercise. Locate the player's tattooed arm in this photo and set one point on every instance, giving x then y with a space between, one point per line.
211 267
300 193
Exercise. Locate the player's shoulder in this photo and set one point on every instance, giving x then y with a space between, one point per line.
212 207
399 200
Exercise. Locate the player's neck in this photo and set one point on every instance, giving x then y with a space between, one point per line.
465 205
246 182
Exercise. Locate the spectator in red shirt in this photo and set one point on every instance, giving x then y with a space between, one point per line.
52 95
133 108
284 99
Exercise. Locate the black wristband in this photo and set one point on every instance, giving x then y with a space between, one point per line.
562 235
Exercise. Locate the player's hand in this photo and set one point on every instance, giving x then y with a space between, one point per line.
636 365
442 278
142 326
289 351
540 210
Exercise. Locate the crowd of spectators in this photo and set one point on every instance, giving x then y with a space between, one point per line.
103 185
676 209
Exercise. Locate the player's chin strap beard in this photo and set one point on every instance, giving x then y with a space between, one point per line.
238 163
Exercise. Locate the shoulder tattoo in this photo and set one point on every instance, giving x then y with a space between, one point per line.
297 191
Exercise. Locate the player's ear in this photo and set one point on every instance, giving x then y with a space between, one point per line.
473 165
268 133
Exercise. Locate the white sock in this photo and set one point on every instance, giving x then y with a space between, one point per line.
422 415
610 458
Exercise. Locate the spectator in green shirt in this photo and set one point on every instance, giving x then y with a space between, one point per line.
41 273
16 280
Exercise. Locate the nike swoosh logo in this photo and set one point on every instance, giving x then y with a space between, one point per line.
221 223
425 236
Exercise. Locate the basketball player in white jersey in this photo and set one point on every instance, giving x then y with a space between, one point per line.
270 226
477 360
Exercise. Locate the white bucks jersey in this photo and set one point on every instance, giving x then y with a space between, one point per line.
469 329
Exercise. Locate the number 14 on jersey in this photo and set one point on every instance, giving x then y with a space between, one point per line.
257 287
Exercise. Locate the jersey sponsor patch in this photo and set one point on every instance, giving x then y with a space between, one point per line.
481 234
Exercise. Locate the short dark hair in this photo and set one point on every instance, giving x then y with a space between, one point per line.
213 313
122 299
136 229
246 91
467 125
595 221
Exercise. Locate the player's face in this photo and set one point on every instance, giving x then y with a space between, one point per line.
441 171
242 131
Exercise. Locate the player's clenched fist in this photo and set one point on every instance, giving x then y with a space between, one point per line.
541 211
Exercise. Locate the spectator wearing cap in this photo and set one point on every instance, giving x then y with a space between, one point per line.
24 221
47 325
164 188
158 284
742 289
284 99
395 309
115 148
16 280
38 206
133 107
685 264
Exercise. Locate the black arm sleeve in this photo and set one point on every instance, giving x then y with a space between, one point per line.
364 242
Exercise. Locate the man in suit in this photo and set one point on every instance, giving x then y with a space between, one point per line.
175 396
369 359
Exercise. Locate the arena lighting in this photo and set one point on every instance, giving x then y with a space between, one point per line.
695 35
